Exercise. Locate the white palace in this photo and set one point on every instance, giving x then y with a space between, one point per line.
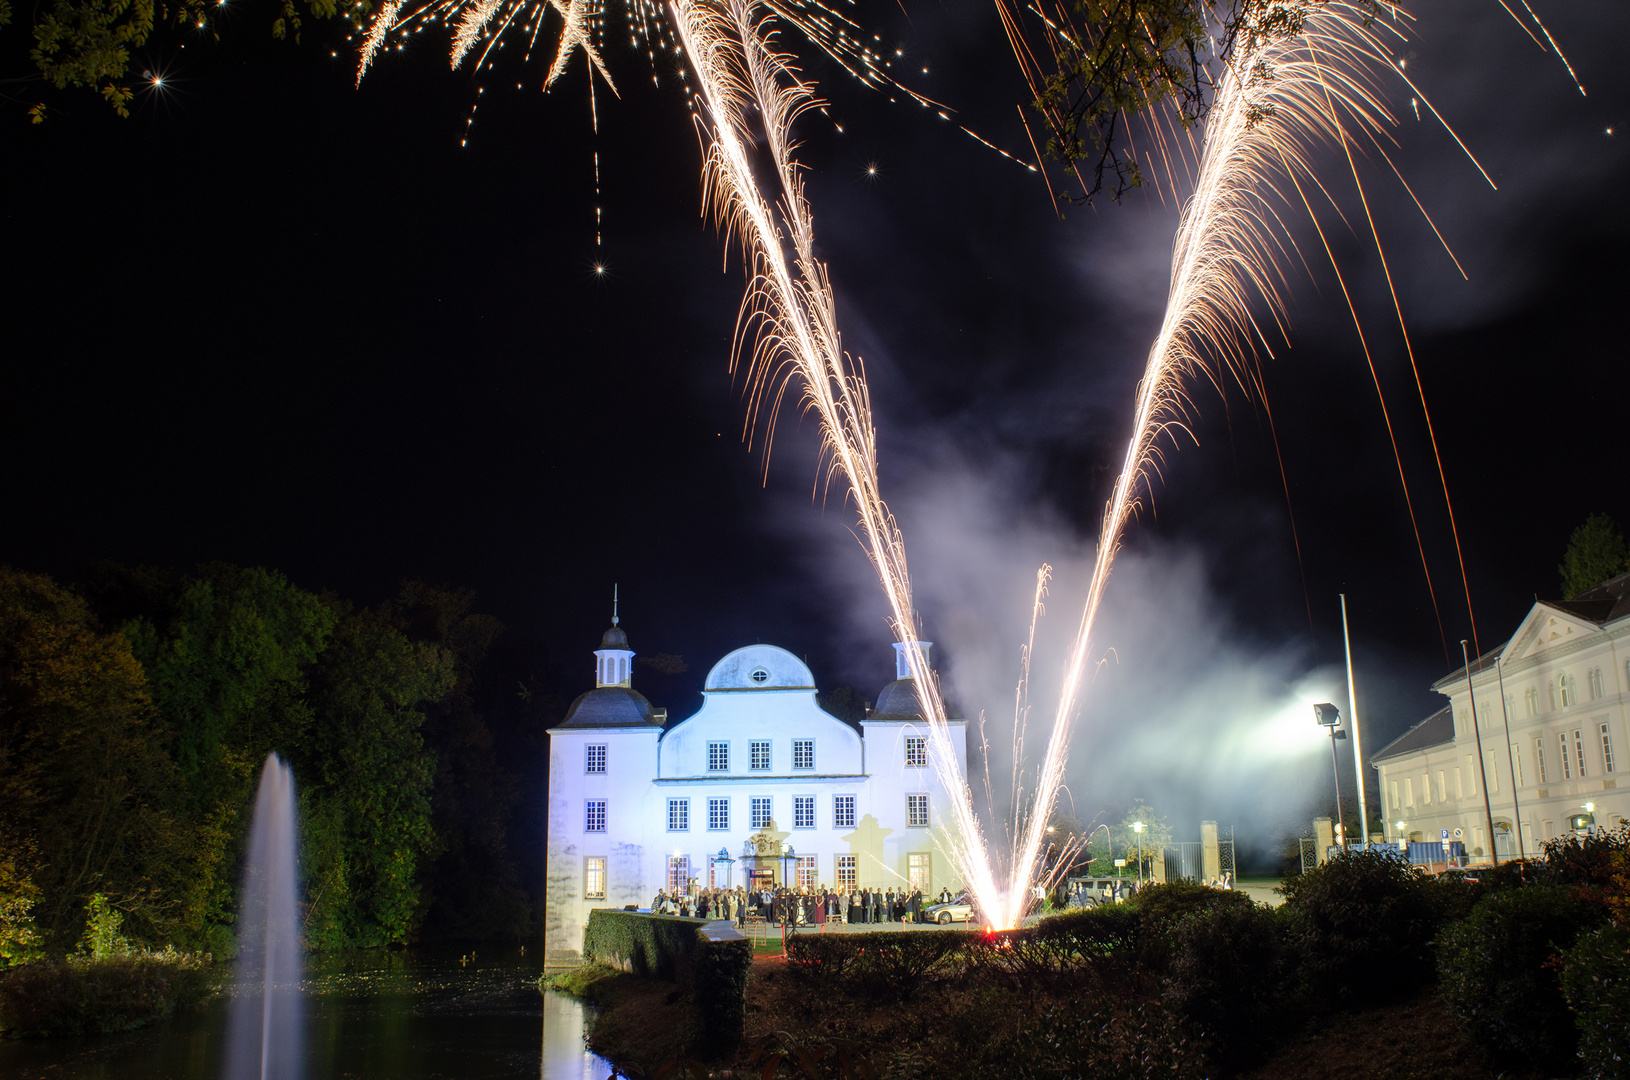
1561 688
760 787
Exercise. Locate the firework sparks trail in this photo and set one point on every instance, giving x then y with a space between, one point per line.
788 330
1280 97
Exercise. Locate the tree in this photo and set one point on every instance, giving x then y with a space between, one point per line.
1119 59
87 44
472 883
367 777
844 702
88 794
1596 552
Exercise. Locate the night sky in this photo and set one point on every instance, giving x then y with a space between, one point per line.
272 319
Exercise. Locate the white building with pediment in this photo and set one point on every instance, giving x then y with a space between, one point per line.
761 786
1561 688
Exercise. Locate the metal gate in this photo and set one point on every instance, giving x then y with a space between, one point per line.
1225 851
1310 854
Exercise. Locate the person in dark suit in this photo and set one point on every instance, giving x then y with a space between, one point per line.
888 906
915 905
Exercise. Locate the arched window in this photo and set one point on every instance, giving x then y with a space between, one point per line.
1594 679
1566 691
1533 701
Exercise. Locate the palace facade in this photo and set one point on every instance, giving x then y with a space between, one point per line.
760 787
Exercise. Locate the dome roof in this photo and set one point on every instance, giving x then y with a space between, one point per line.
609 706
614 639
760 667
898 701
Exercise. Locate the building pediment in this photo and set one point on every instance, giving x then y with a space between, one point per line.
1545 629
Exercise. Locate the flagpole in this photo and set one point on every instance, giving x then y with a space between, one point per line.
1358 743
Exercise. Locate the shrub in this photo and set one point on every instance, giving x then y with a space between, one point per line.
88 996
1224 979
1062 948
1169 902
1141 1041
1594 859
877 963
1498 968
1596 983
1360 928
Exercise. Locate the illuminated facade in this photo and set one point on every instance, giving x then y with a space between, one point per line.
1566 678
761 773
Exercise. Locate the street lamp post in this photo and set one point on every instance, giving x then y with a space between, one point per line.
1327 715
1137 827
787 854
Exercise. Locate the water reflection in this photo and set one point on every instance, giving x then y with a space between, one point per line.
378 1016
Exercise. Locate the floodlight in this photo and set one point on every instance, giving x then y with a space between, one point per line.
1326 714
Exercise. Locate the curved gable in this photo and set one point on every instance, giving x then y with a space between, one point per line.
760 667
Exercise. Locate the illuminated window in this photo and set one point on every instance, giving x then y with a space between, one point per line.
594 757
760 808
1607 749
807 870
846 871
843 811
917 871
917 811
718 757
916 752
803 811
594 815
760 755
594 878
1579 750
678 874
803 753
1539 758
678 815
718 814
1567 763
759 675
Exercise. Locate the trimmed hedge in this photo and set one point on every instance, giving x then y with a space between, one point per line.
100 996
878 963
1098 1039
656 946
1498 968
1596 982
711 965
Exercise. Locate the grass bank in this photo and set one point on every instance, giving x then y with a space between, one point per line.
84 995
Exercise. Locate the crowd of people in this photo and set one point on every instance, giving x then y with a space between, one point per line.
792 908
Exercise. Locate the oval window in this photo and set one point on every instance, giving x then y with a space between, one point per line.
759 675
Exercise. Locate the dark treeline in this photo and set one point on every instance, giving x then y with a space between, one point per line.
137 706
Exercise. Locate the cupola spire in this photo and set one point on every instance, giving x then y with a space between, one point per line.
613 660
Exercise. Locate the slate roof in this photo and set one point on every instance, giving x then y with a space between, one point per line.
1605 603
1436 730
610 706
897 701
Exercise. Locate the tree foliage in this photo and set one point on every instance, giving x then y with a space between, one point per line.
129 756
1119 60
85 45
1596 552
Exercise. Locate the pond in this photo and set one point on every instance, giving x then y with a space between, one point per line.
373 1016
